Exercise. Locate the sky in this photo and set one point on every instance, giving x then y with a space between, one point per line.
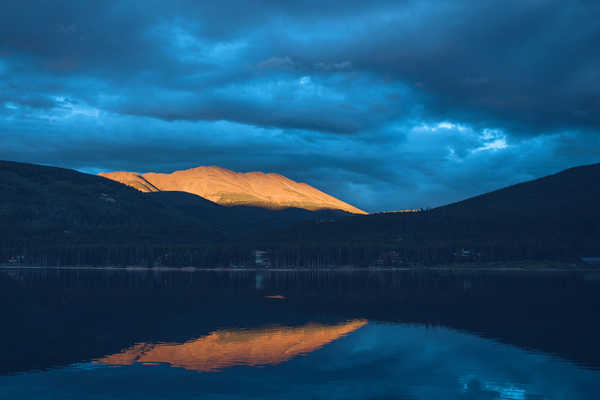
385 104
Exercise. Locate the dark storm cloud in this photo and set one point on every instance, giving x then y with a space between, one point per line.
386 104
528 65
531 65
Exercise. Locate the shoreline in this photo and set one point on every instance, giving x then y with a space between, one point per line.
445 268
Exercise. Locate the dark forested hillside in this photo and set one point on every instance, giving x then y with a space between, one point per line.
237 222
571 195
555 217
55 215
48 203
58 216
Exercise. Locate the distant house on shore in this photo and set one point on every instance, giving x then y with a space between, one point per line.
262 258
389 259
466 255
591 260
17 260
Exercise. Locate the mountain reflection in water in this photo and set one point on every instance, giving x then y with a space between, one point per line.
452 335
228 348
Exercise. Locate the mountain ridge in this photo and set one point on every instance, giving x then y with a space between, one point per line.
231 188
55 216
569 191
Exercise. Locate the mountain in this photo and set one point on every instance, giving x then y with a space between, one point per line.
568 199
48 204
554 217
55 215
238 222
570 195
229 188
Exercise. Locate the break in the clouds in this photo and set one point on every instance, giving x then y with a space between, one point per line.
385 104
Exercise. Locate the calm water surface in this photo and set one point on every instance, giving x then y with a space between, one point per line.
116 334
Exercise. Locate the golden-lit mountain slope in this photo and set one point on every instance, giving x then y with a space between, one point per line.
228 348
231 188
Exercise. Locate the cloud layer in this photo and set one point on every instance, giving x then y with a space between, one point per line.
386 104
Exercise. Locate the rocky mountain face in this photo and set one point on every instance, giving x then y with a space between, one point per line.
229 188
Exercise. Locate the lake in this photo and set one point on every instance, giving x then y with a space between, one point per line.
185 334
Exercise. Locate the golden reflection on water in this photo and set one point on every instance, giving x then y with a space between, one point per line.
228 348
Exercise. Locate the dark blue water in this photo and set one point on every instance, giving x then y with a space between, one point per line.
299 335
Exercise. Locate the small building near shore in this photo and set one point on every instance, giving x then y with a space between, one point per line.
16 260
262 258
389 259
466 255
591 260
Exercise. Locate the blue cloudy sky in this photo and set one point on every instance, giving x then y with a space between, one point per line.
386 104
